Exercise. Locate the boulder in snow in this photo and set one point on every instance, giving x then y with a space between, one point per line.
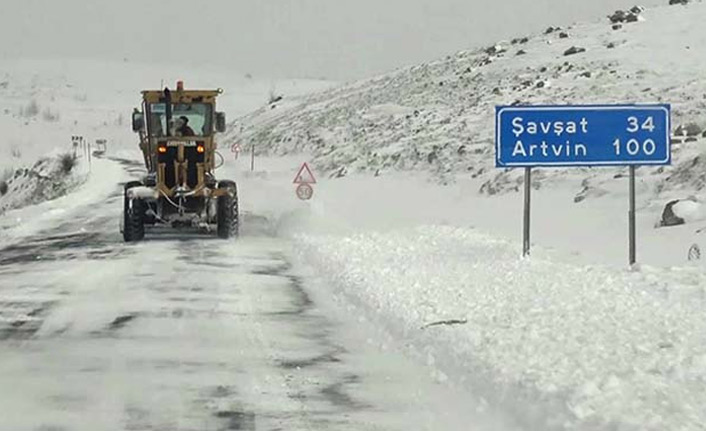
681 211
617 16
683 2
495 50
632 17
669 218
551 30
690 129
574 50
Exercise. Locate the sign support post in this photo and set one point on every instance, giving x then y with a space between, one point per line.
631 216
252 158
526 224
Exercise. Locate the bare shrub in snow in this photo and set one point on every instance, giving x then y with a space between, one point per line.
31 110
67 162
50 116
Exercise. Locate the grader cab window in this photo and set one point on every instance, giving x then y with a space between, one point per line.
199 116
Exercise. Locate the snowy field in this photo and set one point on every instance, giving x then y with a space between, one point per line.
44 103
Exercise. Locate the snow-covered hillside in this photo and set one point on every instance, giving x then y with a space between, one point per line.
438 116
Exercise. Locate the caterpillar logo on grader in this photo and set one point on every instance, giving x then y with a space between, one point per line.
177 138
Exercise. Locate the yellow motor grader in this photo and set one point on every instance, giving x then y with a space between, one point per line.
177 131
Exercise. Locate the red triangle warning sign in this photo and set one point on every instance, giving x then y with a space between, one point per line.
304 176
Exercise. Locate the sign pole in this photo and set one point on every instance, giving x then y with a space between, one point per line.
631 216
252 158
526 224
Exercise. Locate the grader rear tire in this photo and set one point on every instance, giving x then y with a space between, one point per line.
227 214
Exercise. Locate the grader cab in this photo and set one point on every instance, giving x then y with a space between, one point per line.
177 132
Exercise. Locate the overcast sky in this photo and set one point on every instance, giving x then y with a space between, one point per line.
337 39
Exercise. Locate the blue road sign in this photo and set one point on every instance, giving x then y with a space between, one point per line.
610 135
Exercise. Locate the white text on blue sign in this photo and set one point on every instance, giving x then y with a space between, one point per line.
528 136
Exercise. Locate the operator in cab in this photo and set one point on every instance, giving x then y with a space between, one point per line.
182 127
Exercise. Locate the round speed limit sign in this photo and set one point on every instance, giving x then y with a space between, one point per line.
236 149
305 191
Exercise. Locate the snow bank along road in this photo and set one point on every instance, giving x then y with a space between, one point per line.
186 332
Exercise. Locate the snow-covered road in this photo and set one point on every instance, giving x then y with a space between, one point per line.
186 332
